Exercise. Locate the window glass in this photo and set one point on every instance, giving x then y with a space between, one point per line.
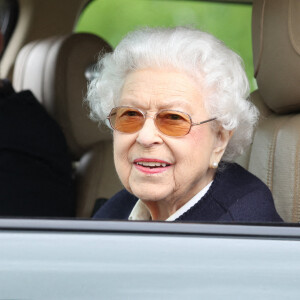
229 22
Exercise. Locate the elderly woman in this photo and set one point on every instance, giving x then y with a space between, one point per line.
176 100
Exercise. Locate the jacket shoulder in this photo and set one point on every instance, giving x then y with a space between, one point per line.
118 207
245 197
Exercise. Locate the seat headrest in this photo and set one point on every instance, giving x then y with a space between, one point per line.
54 70
276 53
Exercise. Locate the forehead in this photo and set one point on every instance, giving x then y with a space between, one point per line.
160 88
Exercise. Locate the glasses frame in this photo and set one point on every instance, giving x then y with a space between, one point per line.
154 118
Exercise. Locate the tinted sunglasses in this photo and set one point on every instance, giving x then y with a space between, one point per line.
170 122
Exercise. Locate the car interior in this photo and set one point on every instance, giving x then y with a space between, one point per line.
54 69
53 63
274 154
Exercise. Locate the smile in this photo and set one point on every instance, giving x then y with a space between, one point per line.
151 166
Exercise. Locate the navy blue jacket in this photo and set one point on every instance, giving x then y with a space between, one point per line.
235 195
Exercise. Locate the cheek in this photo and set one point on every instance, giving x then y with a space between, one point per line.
196 149
204 139
202 135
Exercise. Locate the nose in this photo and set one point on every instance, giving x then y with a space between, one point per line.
149 135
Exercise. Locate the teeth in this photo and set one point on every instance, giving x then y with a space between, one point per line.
151 164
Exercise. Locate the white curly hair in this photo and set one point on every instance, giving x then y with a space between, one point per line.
197 53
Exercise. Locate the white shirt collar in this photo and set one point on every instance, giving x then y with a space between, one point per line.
141 212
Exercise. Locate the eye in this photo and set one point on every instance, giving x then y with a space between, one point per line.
173 116
132 113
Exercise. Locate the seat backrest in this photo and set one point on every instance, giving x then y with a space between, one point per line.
54 70
275 153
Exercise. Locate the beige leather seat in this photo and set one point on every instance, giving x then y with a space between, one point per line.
54 70
275 153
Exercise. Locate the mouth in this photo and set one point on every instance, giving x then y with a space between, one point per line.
147 165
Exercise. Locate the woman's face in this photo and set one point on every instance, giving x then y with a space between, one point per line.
186 160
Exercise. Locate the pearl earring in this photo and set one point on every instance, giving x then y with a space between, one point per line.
214 165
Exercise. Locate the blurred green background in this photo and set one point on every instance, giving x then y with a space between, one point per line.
231 23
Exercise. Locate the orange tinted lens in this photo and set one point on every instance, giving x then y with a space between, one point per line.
173 123
126 119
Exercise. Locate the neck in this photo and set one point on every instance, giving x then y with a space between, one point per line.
161 210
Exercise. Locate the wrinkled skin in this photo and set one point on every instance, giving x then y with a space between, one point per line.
189 157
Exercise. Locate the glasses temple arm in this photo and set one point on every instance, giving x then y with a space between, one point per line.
209 120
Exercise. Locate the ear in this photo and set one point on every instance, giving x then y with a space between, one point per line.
223 137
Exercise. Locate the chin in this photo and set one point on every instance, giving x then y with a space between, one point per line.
149 193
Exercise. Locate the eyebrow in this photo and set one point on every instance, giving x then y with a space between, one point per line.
171 104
